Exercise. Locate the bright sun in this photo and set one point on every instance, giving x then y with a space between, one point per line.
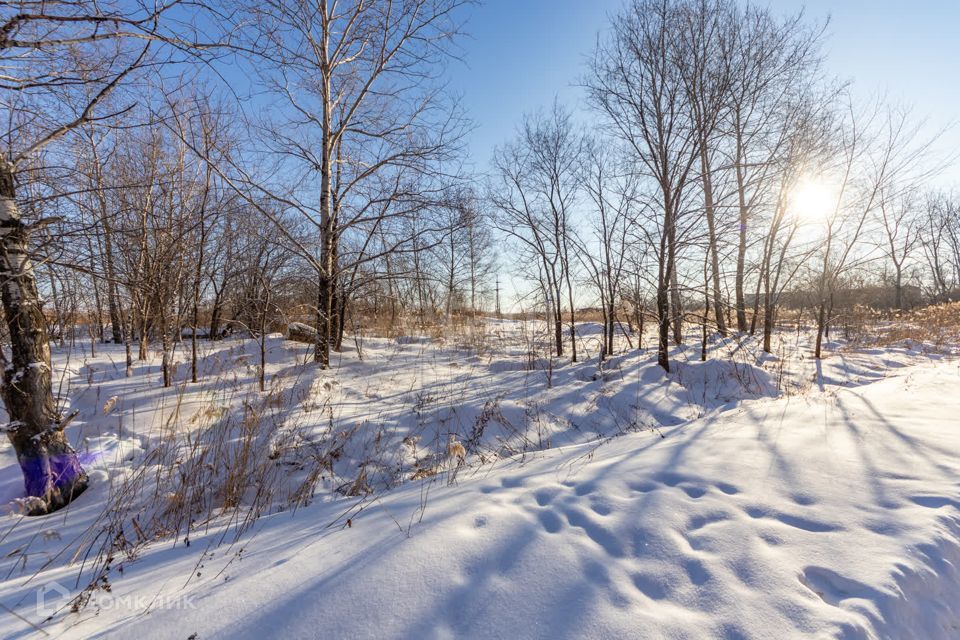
812 199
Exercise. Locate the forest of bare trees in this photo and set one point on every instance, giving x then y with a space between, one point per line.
181 172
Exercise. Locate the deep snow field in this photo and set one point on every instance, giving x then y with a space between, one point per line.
750 496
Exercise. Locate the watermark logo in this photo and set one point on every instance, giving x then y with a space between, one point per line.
51 596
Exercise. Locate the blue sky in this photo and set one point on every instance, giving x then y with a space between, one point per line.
520 53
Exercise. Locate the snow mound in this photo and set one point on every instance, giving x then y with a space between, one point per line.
723 381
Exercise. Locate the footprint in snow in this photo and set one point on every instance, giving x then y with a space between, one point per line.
699 522
797 522
642 487
512 482
728 489
584 488
596 532
803 499
650 586
693 491
934 502
600 507
833 588
696 571
550 521
545 496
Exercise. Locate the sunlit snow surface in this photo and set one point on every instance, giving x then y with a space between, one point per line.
702 504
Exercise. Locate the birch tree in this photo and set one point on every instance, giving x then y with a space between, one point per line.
363 119
59 63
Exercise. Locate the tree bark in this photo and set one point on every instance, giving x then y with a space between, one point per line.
326 274
742 239
898 301
665 276
50 467
709 208
217 311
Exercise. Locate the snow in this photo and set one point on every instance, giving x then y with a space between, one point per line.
748 496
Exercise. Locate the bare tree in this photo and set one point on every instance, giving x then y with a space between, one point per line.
532 191
879 149
772 62
613 192
61 61
708 29
637 84
363 123
941 243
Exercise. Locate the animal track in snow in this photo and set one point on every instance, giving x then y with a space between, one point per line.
511 482
728 489
550 520
803 499
833 588
696 571
688 485
699 522
693 492
650 586
596 532
797 522
934 502
601 507
584 488
545 495
642 487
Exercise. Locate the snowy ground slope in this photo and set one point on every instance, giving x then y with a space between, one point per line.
833 515
833 512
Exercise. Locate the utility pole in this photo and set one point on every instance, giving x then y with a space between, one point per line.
499 314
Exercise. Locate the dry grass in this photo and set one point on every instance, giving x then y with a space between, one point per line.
935 328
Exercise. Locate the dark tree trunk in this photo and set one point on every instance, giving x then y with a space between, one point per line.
712 231
116 321
557 318
663 294
197 277
663 325
558 334
144 339
217 312
573 312
676 308
612 315
756 308
676 303
898 301
326 272
341 318
606 326
321 352
821 327
127 338
742 238
51 470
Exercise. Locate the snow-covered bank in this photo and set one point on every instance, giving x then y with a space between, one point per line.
825 514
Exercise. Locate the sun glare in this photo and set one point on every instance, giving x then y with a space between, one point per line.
813 199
